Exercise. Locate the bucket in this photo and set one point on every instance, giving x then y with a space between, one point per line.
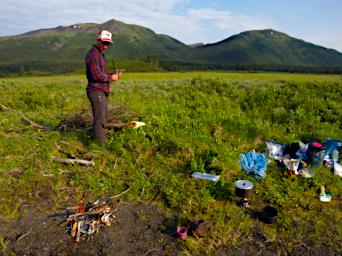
182 233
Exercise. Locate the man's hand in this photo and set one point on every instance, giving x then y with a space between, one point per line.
116 75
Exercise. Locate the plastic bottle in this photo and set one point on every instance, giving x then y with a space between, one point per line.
205 176
334 156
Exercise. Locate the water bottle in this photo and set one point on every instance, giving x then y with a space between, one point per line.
334 156
205 176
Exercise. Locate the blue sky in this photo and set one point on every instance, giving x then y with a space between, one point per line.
190 21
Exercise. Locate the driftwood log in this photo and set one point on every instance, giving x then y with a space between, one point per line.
73 161
114 126
27 120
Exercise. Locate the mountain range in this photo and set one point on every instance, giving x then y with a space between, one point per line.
66 46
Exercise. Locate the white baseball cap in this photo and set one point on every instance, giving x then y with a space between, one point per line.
105 36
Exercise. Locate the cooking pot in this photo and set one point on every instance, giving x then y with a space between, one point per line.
243 188
269 214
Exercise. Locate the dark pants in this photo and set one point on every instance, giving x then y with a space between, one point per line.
99 107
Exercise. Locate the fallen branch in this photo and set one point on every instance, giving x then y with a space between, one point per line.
113 126
109 126
27 120
49 175
73 161
132 124
22 236
124 192
98 210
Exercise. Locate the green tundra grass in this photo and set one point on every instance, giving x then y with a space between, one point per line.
195 122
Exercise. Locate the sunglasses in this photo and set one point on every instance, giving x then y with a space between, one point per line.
105 43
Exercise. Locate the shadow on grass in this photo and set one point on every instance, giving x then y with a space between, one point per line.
220 191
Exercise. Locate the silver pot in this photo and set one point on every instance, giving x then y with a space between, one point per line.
243 188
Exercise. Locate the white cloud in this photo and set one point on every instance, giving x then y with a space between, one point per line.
22 16
228 21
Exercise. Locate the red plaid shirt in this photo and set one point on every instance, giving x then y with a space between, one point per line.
96 70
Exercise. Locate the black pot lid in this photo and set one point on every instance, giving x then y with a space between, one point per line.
244 184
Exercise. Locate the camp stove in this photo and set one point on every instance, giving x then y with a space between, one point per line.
243 189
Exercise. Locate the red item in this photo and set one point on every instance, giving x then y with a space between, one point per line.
182 233
317 144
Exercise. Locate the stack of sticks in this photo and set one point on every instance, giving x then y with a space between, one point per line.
86 220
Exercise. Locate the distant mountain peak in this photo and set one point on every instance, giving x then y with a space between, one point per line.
113 22
267 33
69 44
264 32
270 47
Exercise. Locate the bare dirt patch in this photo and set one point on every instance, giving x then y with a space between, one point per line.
138 230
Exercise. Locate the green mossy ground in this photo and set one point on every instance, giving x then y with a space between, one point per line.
193 124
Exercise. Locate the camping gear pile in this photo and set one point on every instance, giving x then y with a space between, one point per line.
85 220
296 157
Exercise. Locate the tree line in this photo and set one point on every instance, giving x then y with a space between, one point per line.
152 63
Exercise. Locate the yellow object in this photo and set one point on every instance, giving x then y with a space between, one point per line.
74 230
135 124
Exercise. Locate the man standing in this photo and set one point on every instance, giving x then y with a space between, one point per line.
99 80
